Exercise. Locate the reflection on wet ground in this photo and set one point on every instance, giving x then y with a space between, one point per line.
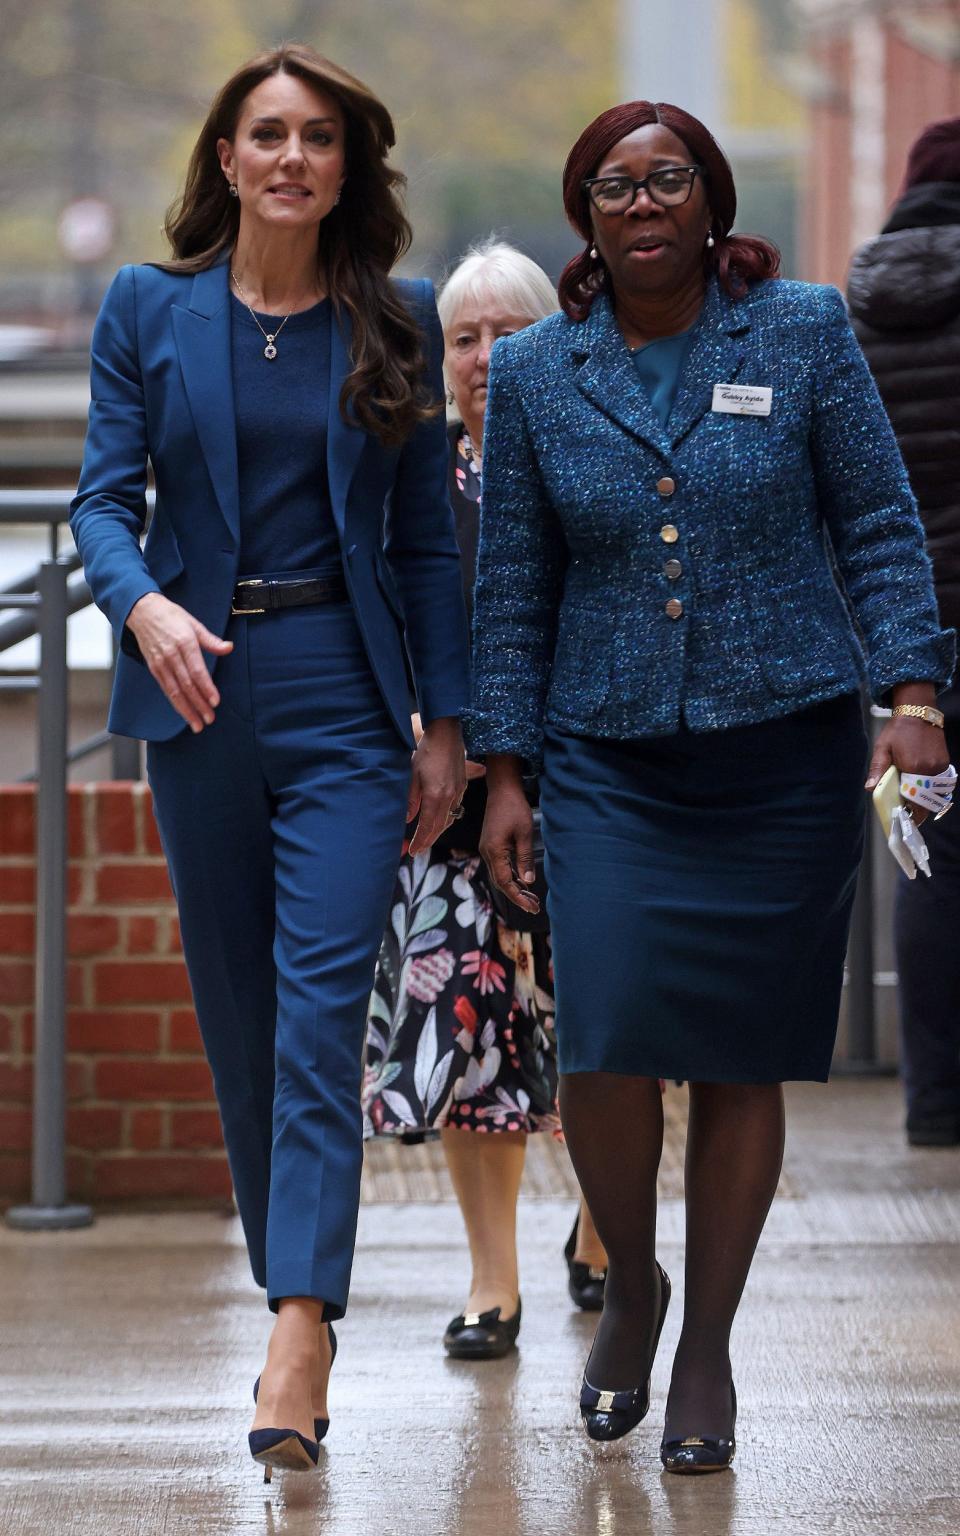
129 1351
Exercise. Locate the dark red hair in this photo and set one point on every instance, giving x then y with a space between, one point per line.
737 260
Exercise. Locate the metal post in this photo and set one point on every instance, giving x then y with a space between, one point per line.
860 1057
48 1208
861 1054
125 760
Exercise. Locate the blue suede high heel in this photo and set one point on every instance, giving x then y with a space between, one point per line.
285 1448
609 1415
264 1443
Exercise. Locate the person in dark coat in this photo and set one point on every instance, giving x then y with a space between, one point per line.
904 295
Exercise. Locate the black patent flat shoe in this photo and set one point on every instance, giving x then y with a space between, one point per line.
933 1130
585 1282
320 1426
609 1415
481 1335
701 1453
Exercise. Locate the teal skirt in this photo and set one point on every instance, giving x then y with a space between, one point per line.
700 895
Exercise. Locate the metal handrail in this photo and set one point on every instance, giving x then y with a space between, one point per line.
49 1207
17 627
52 506
45 599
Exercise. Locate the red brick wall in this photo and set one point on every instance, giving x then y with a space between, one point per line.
142 1123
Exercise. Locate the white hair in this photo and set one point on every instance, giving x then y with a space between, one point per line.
493 269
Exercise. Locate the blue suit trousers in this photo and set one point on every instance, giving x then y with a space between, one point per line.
282 824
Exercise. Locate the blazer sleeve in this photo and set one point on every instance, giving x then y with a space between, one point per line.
521 566
420 545
871 515
108 513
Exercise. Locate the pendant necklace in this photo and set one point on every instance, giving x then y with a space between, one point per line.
270 350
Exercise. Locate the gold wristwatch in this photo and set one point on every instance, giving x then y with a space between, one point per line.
921 712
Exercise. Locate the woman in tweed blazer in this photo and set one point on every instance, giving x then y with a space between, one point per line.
698 542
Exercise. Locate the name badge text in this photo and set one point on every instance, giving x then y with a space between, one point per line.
742 399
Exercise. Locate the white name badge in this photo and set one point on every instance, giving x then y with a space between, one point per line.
742 399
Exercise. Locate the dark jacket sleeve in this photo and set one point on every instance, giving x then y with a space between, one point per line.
521 565
108 513
871 516
421 549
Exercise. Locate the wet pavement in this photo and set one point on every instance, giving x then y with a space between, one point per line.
129 1349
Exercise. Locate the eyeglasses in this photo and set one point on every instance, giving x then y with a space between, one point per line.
667 188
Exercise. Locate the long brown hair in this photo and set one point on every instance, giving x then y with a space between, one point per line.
739 261
358 243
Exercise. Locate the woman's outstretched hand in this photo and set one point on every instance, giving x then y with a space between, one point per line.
506 842
437 781
171 642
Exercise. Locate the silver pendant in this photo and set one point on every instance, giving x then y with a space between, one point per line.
270 350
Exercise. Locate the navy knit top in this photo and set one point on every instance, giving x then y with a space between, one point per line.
286 519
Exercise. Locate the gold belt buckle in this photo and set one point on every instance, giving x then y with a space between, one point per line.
251 581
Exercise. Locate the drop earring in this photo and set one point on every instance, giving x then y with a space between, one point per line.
337 198
710 242
593 253
233 189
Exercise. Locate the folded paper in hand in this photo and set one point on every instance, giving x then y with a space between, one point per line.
906 844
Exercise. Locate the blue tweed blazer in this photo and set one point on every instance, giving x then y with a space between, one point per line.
797 561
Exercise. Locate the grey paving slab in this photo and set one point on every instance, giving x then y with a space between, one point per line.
128 1352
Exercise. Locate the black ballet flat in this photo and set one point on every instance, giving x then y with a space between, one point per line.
320 1426
701 1453
609 1415
481 1335
585 1283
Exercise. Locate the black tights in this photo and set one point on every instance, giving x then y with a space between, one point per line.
614 1130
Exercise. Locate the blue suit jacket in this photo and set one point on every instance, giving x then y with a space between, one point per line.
161 387
802 567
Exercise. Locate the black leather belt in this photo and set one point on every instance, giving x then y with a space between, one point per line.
256 594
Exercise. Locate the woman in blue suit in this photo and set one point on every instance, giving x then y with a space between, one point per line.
691 492
288 396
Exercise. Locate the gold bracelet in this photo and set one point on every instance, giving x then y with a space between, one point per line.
921 712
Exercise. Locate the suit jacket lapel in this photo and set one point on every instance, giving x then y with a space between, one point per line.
717 351
606 375
202 334
345 440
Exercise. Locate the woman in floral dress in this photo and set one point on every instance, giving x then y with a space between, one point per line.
460 1036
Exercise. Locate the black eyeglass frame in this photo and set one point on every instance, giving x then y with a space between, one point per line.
644 185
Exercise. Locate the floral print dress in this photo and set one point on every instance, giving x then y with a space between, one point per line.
460 1028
